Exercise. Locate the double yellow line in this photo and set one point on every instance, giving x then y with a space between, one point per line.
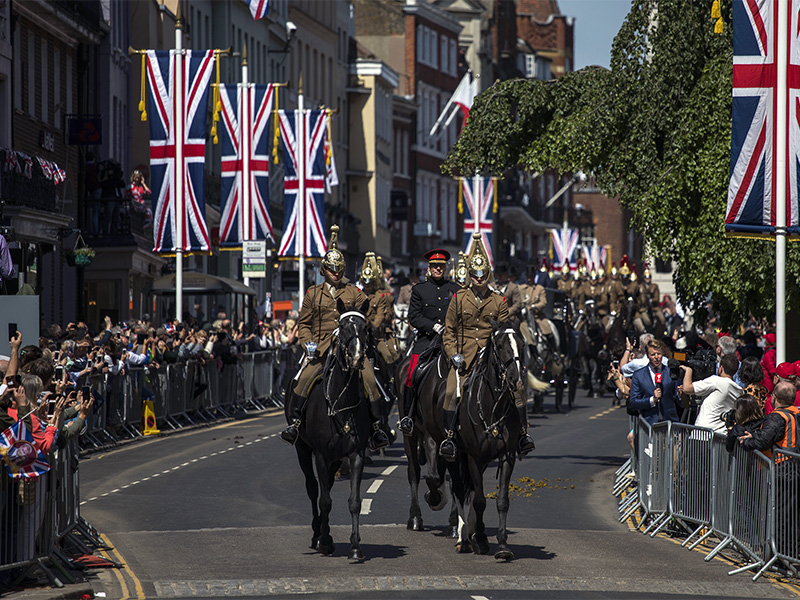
130 590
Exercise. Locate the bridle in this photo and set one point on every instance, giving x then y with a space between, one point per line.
493 428
343 359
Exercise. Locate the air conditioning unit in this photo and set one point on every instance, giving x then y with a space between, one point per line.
423 229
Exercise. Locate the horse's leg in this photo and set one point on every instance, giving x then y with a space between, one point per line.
477 537
325 543
435 475
411 444
462 491
356 471
312 487
503 552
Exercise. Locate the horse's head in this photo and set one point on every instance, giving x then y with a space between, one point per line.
507 348
352 333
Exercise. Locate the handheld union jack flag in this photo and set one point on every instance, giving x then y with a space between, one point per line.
304 141
245 163
258 8
188 114
565 242
752 188
18 452
479 199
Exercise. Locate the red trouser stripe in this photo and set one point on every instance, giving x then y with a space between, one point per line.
411 366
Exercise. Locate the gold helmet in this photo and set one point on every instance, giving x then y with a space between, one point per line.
461 272
379 269
593 276
634 276
478 261
646 274
334 259
369 270
582 270
565 270
614 271
624 269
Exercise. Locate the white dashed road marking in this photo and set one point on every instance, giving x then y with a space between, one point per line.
366 506
375 485
389 470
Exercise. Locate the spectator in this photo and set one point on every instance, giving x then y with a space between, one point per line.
652 388
748 418
629 365
719 393
751 376
779 428
783 372
725 345
750 346
6 265
768 362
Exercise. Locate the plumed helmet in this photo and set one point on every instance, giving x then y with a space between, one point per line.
369 270
478 260
543 266
379 270
334 259
614 271
565 270
624 269
461 272
634 276
593 276
646 274
582 270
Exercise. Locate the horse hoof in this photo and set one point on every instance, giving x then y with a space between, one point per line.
356 554
480 545
504 553
463 547
325 549
314 543
435 499
415 524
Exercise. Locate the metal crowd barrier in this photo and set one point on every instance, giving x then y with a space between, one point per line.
686 475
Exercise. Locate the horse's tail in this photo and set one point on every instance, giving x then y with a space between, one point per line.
537 385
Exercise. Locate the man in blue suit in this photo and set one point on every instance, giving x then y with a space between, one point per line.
653 390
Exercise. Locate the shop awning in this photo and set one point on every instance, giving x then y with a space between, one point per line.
200 284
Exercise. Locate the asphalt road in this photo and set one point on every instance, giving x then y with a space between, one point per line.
222 511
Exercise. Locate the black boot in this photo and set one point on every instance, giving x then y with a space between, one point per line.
406 424
290 434
551 341
378 439
525 443
447 449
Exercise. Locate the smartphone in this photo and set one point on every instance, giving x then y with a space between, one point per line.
14 381
57 355
140 338
615 364
86 392
12 330
59 373
51 407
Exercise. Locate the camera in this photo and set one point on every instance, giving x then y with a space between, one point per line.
703 364
728 417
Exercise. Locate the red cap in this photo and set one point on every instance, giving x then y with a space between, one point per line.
437 255
785 370
770 337
796 365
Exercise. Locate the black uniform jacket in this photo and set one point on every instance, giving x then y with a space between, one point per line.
428 306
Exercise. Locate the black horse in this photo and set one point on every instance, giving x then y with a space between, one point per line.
488 431
588 361
422 446
336 426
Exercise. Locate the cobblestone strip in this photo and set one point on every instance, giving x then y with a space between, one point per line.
334 585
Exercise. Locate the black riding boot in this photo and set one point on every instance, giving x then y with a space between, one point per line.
525 444
378 438
406 424
289 435
551 341
447 449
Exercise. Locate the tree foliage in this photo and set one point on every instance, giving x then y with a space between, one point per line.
654 130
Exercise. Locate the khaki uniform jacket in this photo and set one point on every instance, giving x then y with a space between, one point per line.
596 292
616 295
566 286
380 313
467 327
649 296
404 296
319 316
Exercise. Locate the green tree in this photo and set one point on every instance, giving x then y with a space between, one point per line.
654 130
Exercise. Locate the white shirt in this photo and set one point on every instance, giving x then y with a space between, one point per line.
719 395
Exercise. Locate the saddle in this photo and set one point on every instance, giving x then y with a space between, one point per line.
425 362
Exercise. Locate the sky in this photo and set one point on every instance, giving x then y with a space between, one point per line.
596 24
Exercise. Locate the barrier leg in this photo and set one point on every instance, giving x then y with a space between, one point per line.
630 512
55 581
694 533
771 562
56 562
718 549
658 523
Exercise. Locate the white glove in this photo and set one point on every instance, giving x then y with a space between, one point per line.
458 360
438 328
311 348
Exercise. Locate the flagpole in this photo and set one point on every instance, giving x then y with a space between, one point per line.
245 119
178 115
781 150
301 191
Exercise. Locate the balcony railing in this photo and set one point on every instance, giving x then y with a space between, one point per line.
115 222
24 183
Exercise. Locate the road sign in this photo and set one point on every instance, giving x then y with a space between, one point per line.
254 258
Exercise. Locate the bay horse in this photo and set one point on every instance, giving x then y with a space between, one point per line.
337 426
422 446
488 431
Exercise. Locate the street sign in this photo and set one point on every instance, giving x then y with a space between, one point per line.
84 130
254 258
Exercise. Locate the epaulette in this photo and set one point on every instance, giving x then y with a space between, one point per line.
499 293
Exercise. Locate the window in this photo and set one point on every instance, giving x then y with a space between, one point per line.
31 75
68 71
453 59
57 98
18 83
444 55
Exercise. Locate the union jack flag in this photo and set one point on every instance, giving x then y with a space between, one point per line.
304 143
258 8
478 193
19 453
189 112
565 242
246 111
595 257
752 189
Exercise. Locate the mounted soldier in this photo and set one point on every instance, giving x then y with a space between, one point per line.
379 313
471 318
510 291
426 313
318 321
648 303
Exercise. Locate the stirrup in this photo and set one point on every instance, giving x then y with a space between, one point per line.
378 439
406 425
291 433
525 443
447 449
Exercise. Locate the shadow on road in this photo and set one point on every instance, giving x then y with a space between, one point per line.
611 461
370 551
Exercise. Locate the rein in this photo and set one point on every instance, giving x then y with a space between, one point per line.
499 392
339 356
